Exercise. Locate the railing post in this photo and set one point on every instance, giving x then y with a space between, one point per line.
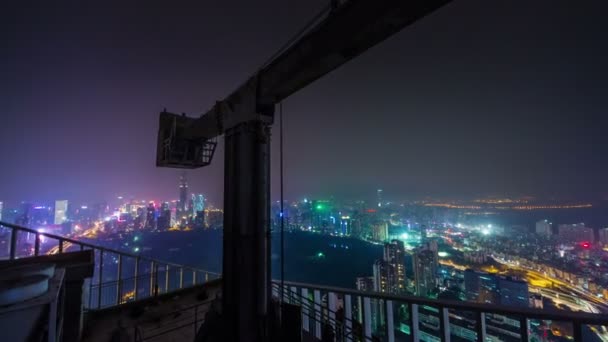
414 322
13 245
367 318
166 278
444 324
481 326
195 319
305 310
523 328
332 302
390 325
181 277
206 277
577 332
100 278
317 312
348 316
119 281
60 246
152 267
193 277
294 295
37 245
135 290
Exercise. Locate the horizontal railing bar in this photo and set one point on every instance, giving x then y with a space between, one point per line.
530 313
109 250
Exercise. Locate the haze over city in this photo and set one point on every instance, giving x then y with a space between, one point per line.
479 99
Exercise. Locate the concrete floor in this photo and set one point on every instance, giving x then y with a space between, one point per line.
165 318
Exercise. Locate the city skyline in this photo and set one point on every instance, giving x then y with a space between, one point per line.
513 109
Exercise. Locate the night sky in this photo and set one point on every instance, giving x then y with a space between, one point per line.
480 98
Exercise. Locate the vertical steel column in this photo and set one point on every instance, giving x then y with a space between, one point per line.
193 277
390 324
414 322
13 246
246 282
100 278
60 246
152 276
348 316
119 281
181 277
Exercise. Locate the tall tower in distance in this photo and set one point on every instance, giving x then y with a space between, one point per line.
379 197
182 205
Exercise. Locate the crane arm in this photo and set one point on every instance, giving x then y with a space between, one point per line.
348 31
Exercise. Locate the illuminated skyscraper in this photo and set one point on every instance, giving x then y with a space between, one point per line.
61 209
381 270
425 268
182 205
543 228
198 204
379 197
576 232
394 255
380 231
1 208
151 216
164 217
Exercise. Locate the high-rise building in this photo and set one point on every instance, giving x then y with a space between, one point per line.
513 292
494 289
603 236
481 287
164 217
61 209
198 211
151 216
345 226
381 270
198 204
576 232
394 256
425 268
379 197
1 208
380 231
543 228
425 272
182 204
365 283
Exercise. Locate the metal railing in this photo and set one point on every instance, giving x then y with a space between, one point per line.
119 277
368 316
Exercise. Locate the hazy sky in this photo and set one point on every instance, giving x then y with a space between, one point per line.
480 98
